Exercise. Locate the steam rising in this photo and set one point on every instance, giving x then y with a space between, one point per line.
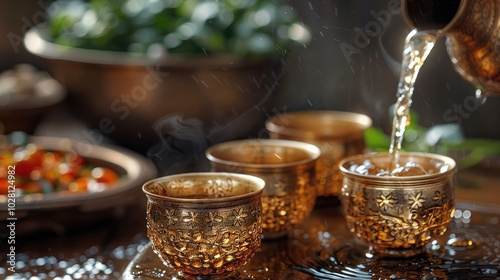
181 146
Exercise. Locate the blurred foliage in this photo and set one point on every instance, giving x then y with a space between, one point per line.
446 139
248 28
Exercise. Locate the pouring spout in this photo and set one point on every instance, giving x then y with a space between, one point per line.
426 15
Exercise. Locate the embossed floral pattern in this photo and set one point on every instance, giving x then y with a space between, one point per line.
402 219
213 218
170 217
416 200
358 198
238 216
386 201
232 237
192 219
211 235
439 197
256 211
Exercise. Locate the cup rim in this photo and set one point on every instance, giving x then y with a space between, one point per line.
313 151
260 183
363 121
448 160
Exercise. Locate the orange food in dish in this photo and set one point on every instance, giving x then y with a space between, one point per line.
37 170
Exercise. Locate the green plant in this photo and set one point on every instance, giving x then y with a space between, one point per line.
447 139
247 28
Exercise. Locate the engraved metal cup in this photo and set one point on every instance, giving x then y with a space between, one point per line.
205 224
472 32
287 167
398 216
337 134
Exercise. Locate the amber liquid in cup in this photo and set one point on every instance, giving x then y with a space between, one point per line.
397 213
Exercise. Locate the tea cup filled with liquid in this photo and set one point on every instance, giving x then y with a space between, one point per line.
396 213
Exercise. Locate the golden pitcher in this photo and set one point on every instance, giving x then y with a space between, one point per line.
472 31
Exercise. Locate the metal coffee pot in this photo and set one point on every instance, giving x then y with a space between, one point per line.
472 31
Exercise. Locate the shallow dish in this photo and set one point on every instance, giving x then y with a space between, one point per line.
57 210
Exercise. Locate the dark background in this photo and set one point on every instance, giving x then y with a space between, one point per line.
321 76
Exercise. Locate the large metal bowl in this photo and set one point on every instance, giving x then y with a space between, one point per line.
138 100
63 211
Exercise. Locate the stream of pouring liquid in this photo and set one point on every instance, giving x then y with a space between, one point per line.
418 45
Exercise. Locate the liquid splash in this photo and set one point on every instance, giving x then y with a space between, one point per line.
464 252
323 248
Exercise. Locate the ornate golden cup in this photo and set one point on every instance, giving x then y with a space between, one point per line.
398 216
287 167
204 224
337 134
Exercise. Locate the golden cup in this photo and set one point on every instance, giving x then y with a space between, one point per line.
337 134
205 224
287 167
397 216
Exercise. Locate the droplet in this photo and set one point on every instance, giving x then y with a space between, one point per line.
461 243
481 96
